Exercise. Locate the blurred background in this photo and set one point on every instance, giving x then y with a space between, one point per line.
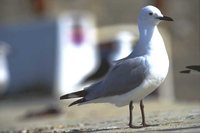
52 47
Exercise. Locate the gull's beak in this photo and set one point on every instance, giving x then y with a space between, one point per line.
165 18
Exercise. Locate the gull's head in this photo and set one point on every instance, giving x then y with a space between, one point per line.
151 15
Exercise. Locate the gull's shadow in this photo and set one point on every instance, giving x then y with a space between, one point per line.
89 130
94 130
116 128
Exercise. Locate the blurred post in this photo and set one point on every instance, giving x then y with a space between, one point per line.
166 90
77 53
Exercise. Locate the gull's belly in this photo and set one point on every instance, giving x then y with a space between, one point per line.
155 76
151 83
158 70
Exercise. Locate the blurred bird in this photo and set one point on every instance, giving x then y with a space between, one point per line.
132 78
194 69
123 46
4 72
117 49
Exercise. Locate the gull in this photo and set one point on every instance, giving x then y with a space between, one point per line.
193 69
134 77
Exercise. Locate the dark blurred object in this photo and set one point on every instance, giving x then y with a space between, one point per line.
46 112
159 4
39 6
195 68
105 51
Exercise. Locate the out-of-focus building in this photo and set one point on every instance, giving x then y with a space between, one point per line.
32 60
51 54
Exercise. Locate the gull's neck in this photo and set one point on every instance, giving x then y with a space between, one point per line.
151 46
150 39
146 33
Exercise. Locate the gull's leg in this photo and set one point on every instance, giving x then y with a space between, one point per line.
130 116
143 116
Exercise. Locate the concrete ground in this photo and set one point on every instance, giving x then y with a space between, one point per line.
101 118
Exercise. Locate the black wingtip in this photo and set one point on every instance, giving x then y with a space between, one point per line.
194 67
77 94
66 96
185 71
62 97
77 102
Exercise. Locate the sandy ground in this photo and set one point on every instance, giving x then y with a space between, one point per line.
101 118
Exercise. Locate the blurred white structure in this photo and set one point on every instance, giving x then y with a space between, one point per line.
77 53
123 45
4 72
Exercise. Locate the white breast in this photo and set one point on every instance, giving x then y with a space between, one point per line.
157 57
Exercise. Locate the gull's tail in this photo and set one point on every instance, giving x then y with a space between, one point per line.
77 94
82 94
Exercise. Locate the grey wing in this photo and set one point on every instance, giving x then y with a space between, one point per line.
122 77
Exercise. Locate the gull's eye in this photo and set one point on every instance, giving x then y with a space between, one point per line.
150 13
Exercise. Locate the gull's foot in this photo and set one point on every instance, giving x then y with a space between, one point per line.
148 125
135 127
